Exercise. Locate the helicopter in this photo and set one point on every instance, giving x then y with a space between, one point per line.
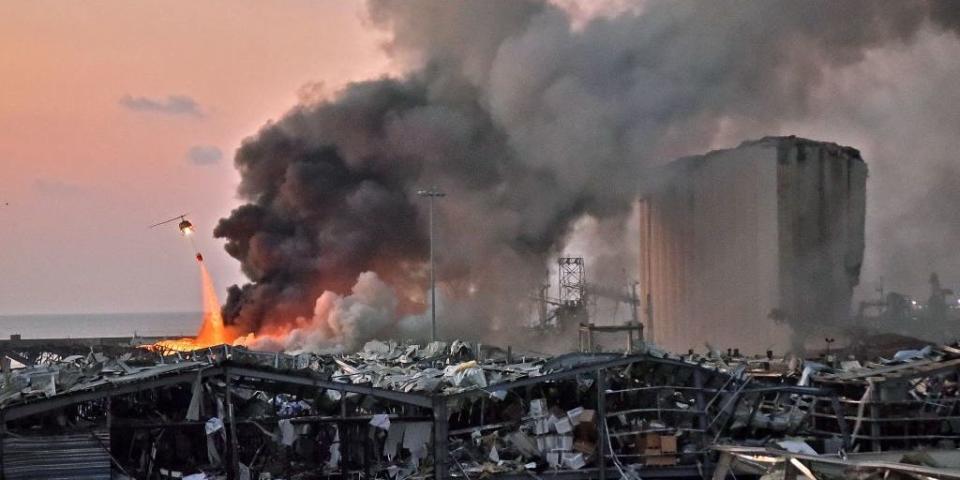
186 228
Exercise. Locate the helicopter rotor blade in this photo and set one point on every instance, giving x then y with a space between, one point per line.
178 217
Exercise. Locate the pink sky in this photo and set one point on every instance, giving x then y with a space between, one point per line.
85 175
85 171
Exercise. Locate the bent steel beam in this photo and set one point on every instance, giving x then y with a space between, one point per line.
27 409
401 397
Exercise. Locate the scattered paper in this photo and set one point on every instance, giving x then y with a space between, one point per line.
563 425
394 436
213 425
416 436
574 461
797 446
538 407
288 434
574 415
381 421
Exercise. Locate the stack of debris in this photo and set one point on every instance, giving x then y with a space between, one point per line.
396 410
906 401
52 374
388 411
895 417
658 449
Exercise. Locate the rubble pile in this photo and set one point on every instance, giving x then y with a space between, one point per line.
906 401
886 417
51 374
397 411
388 411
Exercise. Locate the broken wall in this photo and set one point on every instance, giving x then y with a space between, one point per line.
821 216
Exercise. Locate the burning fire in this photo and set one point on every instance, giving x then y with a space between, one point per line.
212 331
338 320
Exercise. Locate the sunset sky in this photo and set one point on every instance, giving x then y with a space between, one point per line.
116 115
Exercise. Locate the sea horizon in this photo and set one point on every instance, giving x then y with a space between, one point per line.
92 325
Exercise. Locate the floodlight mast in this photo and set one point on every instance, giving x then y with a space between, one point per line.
430 194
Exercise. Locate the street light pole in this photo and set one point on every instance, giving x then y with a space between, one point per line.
432 193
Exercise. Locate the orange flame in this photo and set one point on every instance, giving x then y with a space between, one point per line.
212 331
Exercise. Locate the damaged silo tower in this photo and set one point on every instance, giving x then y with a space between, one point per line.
747 246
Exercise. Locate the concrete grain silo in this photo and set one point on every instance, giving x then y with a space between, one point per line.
747 246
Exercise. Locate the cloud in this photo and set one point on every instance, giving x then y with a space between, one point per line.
57 188
203 155
172 105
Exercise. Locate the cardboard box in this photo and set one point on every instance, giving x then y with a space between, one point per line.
551 442
538 407
647 442
588 416
586 429
574 415
588 433
668 444
661 460
563 426
540 426
574 461
584 447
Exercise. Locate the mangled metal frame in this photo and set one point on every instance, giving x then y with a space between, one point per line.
716 396
758 461
885 410
225 371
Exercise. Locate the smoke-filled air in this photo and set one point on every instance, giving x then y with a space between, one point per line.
533 120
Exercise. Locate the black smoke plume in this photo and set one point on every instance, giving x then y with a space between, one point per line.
529 124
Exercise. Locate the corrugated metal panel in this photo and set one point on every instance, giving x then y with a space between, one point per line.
54 457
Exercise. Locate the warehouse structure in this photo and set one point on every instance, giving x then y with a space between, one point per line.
434 411
745 247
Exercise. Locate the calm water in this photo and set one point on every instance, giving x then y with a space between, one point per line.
100 325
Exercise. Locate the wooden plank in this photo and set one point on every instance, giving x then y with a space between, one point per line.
723 466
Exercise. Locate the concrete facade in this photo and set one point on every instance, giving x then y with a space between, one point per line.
738 246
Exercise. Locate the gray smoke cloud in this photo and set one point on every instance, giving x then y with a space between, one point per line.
343 323
530 125
899 108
